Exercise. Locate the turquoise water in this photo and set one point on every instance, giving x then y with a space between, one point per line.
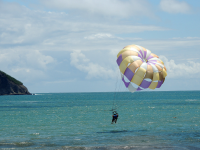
147 120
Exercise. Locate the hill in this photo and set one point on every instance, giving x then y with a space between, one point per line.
11 86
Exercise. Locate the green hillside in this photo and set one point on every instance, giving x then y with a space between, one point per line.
11 78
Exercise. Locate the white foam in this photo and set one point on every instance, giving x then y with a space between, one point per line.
190 100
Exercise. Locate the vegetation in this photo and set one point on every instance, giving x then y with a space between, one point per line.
11 78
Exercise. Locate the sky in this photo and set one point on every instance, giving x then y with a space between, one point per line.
72 45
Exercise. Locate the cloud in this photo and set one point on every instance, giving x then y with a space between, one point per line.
106 36
30 29
52 31
176 46
189 69
40 46
93 70
186 38
11 9
25 65
27 74
34 59
99 36
174 6
117 8
59 81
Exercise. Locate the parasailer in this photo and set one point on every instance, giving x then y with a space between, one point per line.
114 117
140 69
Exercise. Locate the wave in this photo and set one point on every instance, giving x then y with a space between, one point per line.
190 100
15 144
148 147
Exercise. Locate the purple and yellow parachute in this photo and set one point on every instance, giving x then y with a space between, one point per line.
140 69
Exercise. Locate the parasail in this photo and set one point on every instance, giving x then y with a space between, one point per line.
140 69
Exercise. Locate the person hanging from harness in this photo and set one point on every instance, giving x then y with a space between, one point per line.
114 117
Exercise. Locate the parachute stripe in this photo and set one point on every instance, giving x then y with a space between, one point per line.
141 50
154 59
138 77
153 85
152 62
164 73
162 66
145 54
119 60
159 84
141 53
125 63
126 83
129 74
148 54
135 50
139 89
145 84
137 80
144 65
136 58
155 76
154 67
131 88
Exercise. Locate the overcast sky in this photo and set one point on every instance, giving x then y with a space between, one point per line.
72 45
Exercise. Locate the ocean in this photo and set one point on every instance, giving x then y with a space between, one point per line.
168 120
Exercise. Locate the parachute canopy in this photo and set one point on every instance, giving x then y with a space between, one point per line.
140 69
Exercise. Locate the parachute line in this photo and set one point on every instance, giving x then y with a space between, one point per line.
116 89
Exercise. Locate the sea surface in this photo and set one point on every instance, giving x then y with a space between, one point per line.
167 120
